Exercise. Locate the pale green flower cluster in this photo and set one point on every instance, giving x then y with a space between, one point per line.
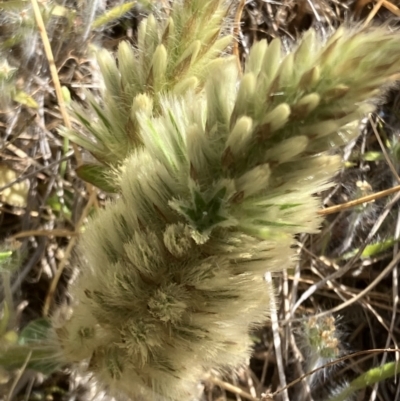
216 173
321 345
172 55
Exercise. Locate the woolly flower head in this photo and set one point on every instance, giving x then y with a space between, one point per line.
222 180
174 52
322 338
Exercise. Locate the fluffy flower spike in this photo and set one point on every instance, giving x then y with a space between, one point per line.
173 54
223 179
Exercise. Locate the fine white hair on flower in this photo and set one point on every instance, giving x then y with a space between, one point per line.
216 172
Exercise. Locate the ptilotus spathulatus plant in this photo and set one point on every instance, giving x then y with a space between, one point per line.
172 55
210 200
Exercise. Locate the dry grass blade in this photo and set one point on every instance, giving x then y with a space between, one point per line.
233 389
21 371
391 7
365 291
360 201
54 73
373 12
45 233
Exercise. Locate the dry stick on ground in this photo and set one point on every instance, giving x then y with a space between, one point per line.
54 73
391 7
373 12
385 3
233 389
359 201
44 233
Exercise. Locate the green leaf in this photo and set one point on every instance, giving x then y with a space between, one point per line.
9 261
10 337
372 249
215 203
112 14
206 215
80 140
35 331
396 151
4 320
372 156
199 202
60 11
34 340
286 206
97 175
59 207
369 378
42 358
102 116
23 98
261 222
5 256
13 5
66 95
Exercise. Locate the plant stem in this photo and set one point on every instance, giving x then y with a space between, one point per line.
369 378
